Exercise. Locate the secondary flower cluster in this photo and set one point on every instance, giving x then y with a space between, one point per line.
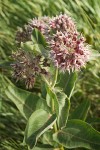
27 67
67 48
24 35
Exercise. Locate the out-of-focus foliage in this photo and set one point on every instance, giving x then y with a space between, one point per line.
16 13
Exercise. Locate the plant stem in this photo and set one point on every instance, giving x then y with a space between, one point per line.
61 148
55 79
52 105
55 127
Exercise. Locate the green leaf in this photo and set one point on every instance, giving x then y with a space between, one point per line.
27 46
61 104
39 42
64 106
52 97
47 138
67 82
39 48
81 111
38 37
78 133
43 90
25 101
39 122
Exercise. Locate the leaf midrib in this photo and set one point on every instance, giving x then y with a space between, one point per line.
19 100
78 137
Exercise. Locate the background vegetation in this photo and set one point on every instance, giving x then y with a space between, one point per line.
16 13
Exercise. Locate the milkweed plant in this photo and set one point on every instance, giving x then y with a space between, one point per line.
50 53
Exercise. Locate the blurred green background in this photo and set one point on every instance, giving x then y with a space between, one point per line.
16 13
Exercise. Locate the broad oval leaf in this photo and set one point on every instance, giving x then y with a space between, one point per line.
78 133
81 111
61 104
51 96
25 101
67 82
38 37
39 122
64 106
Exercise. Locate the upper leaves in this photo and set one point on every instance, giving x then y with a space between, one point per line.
81 111
67 82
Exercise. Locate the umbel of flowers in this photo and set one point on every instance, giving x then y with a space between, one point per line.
67 48
27 67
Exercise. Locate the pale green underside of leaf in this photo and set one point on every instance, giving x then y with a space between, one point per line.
39 122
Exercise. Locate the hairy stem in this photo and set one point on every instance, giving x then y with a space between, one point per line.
52 105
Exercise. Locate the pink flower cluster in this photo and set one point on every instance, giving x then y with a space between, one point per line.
27 67
68 50
24 35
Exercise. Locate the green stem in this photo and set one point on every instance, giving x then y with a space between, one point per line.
45 80
52 107
61 148
55 127
52 103
55 79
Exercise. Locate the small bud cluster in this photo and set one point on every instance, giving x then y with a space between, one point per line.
27 67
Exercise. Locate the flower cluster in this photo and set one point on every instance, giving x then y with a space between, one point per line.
27 67
67 48
24 34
